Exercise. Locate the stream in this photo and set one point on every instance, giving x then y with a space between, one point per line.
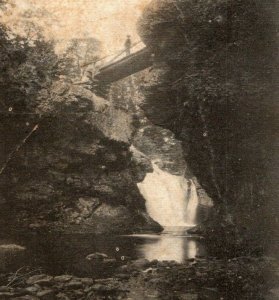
57 253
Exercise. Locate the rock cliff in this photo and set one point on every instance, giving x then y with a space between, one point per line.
69 163
214 84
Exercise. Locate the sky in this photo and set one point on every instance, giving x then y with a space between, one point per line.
110 21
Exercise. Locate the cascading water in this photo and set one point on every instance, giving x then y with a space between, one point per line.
170 200
192 204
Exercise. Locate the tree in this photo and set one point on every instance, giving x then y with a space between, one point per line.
28 66
81 52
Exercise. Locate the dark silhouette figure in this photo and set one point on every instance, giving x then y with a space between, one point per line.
128 45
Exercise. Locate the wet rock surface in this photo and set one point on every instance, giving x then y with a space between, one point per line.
198 278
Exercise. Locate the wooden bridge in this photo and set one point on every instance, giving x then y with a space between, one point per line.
117 70
125 67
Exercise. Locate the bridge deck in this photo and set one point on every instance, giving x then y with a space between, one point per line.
125 67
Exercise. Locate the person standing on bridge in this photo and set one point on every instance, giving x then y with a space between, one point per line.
128 45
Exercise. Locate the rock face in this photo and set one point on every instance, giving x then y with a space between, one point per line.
213 85
70 163
160 145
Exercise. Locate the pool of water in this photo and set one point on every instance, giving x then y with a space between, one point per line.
57 253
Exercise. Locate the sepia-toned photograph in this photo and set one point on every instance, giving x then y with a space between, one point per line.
139 149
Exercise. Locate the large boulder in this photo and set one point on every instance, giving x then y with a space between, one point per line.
77 160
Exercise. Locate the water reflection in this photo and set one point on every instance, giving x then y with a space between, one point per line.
170 246
164 248
66 253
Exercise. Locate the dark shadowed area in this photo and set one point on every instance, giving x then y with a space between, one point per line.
150 173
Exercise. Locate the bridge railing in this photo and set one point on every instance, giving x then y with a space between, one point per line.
112 57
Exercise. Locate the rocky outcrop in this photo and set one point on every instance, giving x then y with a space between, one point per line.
160 145
213 85
155 144
151 143
69 163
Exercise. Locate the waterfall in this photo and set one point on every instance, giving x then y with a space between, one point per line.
170 200
192 205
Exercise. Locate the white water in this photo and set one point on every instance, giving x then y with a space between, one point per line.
192 205
168 247
170 200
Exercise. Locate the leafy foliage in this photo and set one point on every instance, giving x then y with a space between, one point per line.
26 67
80 52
